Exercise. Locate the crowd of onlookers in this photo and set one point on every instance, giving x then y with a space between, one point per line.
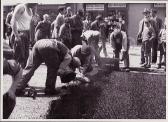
68 28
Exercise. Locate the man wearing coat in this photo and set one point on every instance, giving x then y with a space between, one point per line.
146 14
76 28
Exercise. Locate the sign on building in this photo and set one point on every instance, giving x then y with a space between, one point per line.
94 7
158 5
117 5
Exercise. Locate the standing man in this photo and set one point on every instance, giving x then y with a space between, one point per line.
65 33
34 21
146 14
20 24
42 30
8 24
158 23
77 28
55 26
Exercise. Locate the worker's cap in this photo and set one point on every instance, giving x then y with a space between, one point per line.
146 11
99 18
61 8
86 50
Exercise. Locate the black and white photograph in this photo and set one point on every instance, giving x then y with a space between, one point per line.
80 60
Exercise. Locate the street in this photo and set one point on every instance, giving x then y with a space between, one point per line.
119 95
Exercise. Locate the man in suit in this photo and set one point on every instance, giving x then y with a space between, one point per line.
158 26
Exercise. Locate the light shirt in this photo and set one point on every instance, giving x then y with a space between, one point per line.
23 21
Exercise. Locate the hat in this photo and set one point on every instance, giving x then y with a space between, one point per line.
86 50
145 11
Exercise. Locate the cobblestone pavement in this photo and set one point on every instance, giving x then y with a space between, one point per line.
118 95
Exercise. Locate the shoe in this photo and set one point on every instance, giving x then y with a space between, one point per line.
51 91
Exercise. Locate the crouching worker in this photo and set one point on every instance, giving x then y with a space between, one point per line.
91 38
56 57
119 43
10 67
84 53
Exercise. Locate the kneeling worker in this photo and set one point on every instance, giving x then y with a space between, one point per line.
55 55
